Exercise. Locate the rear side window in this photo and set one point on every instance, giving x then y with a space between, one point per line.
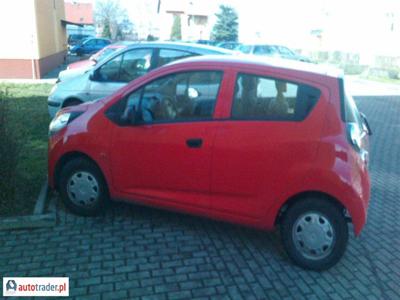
169 55
264 50
265 98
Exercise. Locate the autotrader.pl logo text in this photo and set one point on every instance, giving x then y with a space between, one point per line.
35 286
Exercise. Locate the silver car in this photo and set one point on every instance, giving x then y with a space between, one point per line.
76 86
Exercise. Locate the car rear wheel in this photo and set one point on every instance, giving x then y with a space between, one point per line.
83 188
314 233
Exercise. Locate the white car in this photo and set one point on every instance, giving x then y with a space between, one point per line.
76 86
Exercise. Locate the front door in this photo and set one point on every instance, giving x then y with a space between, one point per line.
166 155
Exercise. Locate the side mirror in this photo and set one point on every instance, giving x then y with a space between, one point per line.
93 76
366 124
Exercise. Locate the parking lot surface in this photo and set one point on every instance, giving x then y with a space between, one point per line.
144 253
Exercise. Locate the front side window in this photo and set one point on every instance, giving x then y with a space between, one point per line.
177 97
127 66
168 55
135 63
110 70
264 98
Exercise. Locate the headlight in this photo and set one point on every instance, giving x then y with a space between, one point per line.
54 88
62 120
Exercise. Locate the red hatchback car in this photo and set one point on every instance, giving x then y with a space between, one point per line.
247 140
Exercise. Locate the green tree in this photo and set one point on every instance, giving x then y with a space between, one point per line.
226 27
106 31
176 33
112 18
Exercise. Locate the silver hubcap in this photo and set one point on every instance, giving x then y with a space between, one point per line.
83 189
313 235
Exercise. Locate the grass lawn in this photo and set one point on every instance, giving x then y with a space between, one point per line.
28 118
381 79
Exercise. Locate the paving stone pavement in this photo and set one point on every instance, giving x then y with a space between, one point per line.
143 253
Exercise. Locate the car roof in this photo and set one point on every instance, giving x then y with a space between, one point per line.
196 48
246 60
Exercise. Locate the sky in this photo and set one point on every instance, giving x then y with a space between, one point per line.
352 25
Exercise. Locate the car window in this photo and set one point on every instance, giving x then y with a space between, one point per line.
264 50
135 63
286 51
90 43
105 53
110 70
167 55
178 97
244 49
258 97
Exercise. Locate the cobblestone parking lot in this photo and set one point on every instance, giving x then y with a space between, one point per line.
143 253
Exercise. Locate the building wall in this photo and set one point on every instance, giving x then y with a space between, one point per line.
77 12
18 30
33 39
51 34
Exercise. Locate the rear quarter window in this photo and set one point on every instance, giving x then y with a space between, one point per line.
265 98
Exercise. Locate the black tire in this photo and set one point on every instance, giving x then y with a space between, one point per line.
300 215
90 205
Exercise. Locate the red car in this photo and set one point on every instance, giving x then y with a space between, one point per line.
246 140
95 58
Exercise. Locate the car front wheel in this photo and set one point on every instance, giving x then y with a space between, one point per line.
314 233
83 188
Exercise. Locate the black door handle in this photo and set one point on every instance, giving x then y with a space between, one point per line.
194 143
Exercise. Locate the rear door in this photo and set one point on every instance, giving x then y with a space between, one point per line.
268 139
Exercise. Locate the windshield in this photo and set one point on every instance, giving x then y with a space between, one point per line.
103 54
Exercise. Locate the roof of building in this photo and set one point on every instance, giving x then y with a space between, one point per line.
78 12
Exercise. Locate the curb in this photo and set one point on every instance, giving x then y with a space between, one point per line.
39 218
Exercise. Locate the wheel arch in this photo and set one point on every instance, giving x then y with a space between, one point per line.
70 100
307 194
65 158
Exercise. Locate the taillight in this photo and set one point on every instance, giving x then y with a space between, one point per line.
357 139
354 135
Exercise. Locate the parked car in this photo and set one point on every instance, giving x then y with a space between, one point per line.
243 140
87 84
229 45
89 46
272 50
74 39
99 56
206 42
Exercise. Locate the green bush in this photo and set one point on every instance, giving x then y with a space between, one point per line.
8 154
351 69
